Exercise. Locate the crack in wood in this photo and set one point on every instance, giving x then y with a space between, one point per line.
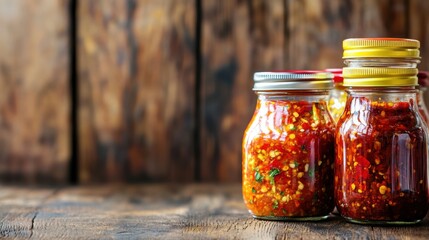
39 207
32 223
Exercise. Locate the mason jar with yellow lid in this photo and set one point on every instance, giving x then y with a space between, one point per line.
381 140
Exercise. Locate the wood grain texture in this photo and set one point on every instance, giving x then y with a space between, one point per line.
316 29
419 29
136 83
163 212
238 38
18 209
34 98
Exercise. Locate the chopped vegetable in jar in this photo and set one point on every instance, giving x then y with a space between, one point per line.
288 157
381 162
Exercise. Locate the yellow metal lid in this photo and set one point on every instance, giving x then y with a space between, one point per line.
381 48
379 77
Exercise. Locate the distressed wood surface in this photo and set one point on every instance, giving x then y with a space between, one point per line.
238 38
138 85
18 209
34 98
136 90
419 29
163 212
138 115
316 29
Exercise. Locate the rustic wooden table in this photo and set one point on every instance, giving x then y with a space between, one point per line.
162 212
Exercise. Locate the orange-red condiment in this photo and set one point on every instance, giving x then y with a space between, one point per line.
288 155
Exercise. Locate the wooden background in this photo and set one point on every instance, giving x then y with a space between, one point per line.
160 90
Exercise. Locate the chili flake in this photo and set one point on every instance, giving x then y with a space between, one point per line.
380 161
287 159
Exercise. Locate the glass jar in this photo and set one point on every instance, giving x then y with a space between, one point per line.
423 79
288 148
423 84
337 96
381 139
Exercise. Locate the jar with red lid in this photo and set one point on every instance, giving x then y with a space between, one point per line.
423 78
381 139
288 148
337 96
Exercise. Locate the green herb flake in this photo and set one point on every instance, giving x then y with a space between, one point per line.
273 172
311 173
275 204
282 193
258 176
253 190
295 163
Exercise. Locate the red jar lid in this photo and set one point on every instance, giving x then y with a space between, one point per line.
338 74
423 77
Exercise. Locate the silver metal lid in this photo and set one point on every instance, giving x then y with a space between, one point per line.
293 80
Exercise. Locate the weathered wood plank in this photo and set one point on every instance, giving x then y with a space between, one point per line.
238 38
419 29
18 209
34 98
420 232
136 82
165 212
316 29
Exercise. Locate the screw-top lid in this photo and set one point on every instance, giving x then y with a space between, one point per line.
292 80
338 74
381 48
379 77
423 78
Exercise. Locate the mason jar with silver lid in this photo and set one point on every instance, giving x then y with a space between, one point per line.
288 147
